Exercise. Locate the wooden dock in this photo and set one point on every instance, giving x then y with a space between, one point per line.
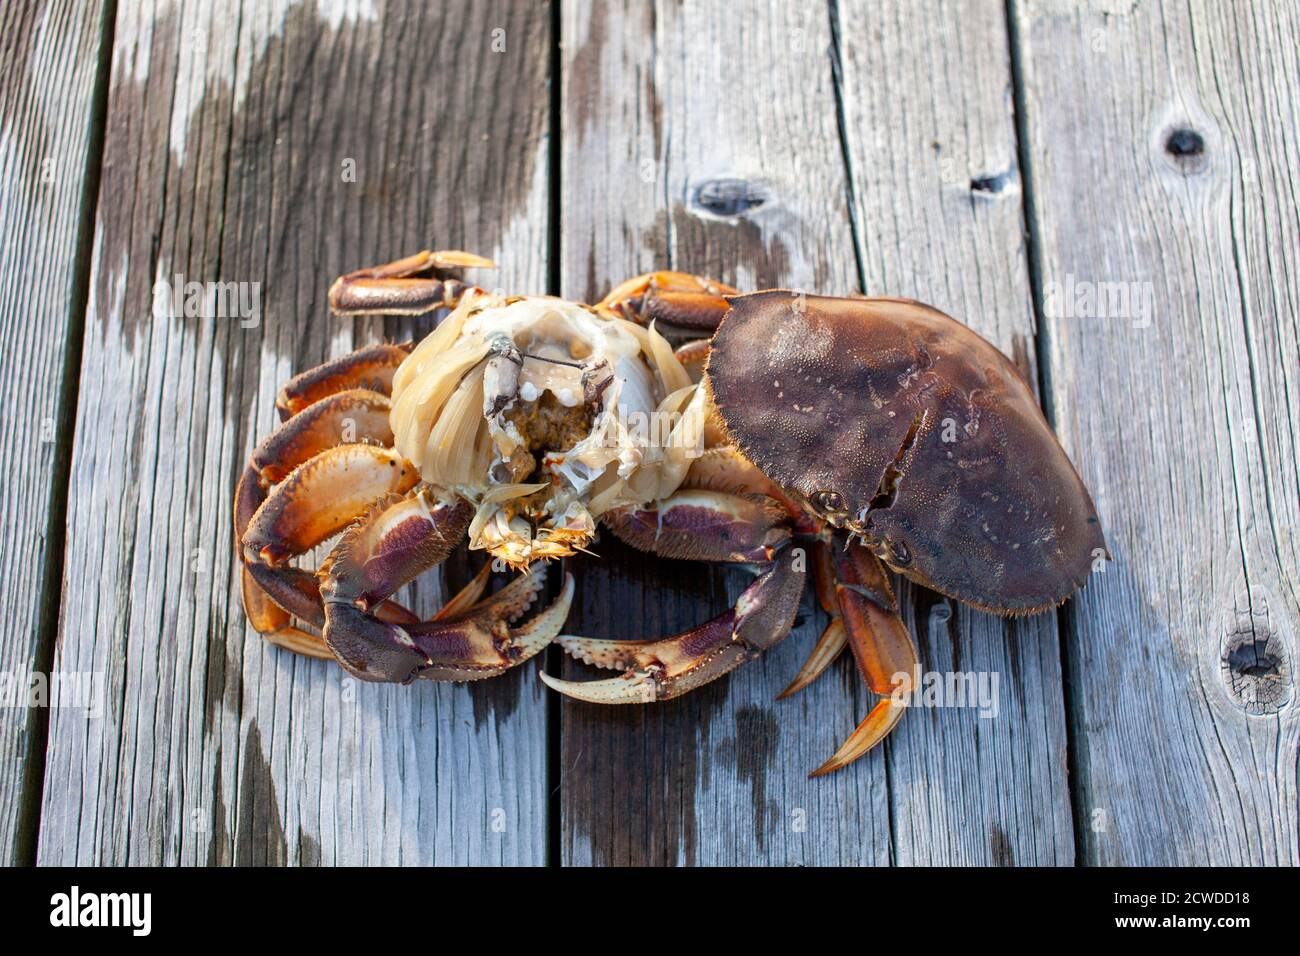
1108 190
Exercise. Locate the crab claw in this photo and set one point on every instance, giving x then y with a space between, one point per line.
480 643
654 670
667 668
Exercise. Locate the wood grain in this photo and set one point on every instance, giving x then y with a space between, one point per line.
931 144
49 61
1164 162
229 137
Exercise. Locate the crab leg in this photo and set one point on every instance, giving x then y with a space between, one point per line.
356 415
328 412
824 652
880 643
834 637
280 525
399 539
399 288
268 618
698 525
371 368
275 623
274 592
704 525
667 668
675 299
323 496
723 468
693 355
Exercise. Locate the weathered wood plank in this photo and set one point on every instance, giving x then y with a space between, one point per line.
1165 166
49 61
932 150
232 136
658 103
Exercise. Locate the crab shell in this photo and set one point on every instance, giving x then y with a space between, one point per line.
904 426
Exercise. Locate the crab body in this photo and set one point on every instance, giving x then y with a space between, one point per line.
809 436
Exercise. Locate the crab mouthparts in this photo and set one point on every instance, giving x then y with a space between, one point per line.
517 520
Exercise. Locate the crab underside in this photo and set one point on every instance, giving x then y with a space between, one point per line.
808 435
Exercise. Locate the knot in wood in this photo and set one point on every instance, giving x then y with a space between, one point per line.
1184 149
1184 142
728 198
1256 671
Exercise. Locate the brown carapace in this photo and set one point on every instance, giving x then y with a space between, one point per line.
808 436
901 425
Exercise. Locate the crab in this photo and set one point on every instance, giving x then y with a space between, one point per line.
794 435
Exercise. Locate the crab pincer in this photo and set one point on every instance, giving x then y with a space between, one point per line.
705 525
